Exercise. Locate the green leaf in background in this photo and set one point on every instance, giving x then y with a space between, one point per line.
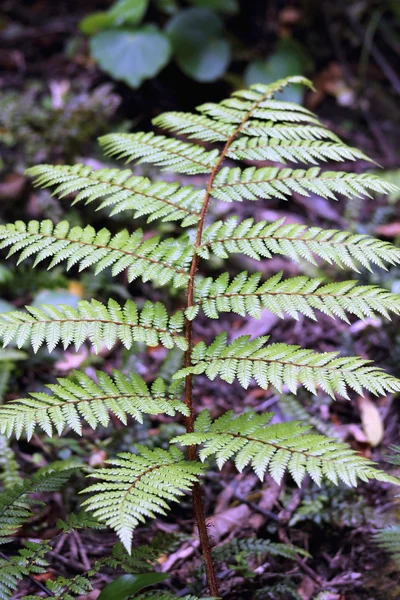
289 58
229 7
125 586
131 55
123 12
198 43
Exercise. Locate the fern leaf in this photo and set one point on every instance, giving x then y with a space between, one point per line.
209 130
307 152
236 185
283 365
93 321
388 539
263 240
275 449
195 126
296 296
82 398
15 503
167 153
256 546
139 486
164 262
122 191
29 560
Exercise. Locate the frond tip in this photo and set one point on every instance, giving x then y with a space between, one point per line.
284 365
139 486
81 398
95 322
277 448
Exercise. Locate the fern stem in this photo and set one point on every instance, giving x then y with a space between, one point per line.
192 450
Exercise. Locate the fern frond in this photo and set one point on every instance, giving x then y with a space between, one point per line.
166 153
306 152
278 448
93 321
122 191
209 130
388 539
80 399
293 408
256 546
295 296
236 185
9 469
284 365
29 560
263 240
151 259
195 126
139 486
235 110
15 503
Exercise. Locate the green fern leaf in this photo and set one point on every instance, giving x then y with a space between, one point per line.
236 185
296 296
195 126
122 191
83 399
388 539
140 485
15 502
256 547
29 561
283 365
167 153
278 448
101 325
307 152
150 259
263 240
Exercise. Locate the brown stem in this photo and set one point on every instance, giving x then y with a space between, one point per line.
192 450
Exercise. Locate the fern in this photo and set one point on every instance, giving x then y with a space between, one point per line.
277 448
101 325
149 259
251 125
296 296
29 560
388 539
16 503
139 486
122 191
72 401
256 547
263 240
283 365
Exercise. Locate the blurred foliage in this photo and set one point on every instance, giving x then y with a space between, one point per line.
197 38
36 126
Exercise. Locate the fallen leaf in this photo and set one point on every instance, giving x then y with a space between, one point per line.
389 230
371 421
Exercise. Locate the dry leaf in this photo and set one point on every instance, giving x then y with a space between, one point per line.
371 421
